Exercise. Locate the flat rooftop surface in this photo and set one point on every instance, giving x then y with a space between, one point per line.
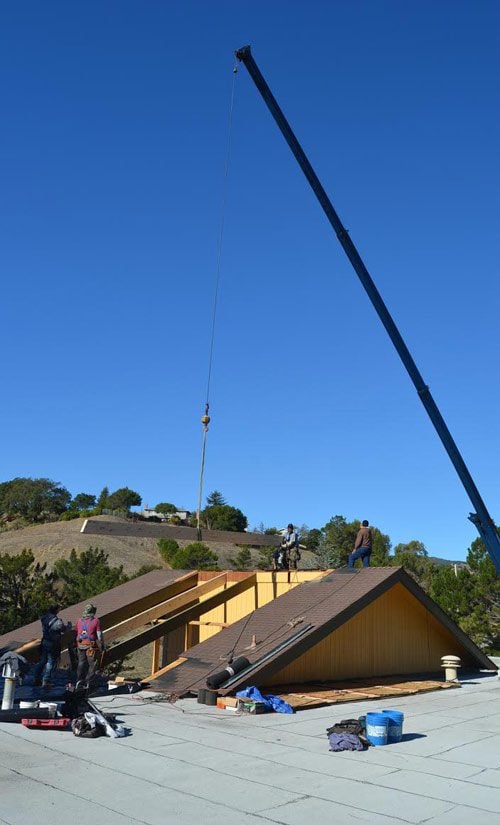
190 764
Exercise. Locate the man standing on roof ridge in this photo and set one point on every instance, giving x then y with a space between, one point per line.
362 545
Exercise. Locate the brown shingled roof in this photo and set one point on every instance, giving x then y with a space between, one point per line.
113 605
288 626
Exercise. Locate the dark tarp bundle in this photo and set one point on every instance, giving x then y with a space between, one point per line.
345 742
347 736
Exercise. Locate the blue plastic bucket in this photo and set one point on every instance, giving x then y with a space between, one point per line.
377 725
395 729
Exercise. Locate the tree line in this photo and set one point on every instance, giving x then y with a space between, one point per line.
27 588
38 500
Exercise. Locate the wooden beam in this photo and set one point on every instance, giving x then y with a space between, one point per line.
157 646
163 609
212 624
171 666
125 611
178 586
178 620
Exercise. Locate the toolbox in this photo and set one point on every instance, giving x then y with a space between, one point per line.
249 706
62 722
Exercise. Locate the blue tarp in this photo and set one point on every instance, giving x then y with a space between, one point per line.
272 702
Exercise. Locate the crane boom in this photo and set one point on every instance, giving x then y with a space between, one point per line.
481 517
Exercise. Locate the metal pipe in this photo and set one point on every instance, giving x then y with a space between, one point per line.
481 518
9 688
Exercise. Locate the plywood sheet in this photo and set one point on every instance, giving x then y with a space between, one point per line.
318 695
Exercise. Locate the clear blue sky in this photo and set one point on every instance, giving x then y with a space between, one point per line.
112 145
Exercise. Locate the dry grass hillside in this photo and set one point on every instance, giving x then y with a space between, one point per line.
53 541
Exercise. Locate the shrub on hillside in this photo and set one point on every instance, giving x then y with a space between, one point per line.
146 568
265 560
87 575
195 556
243 560
167 549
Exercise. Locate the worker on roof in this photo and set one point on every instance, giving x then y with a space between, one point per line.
53 628
291 543
362 545
89 643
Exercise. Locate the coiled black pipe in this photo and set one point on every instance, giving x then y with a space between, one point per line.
217 679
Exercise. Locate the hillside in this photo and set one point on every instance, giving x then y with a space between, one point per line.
55 540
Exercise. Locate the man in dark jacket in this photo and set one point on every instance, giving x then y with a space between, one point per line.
362 545
53 629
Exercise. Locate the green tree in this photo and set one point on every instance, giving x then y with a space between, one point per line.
87 575
195 556
224 517
83 501
165 507
103 500
243 559
69 515
266 531
452 590
483 621
26 590
380 549
338 537
35 499
167 549
215 499
414 558
337 542
265 558
124 499
471 596
311 539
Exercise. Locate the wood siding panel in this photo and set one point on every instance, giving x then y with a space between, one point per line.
234 609
393 635
269 587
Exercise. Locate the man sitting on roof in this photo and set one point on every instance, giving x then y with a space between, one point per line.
291 542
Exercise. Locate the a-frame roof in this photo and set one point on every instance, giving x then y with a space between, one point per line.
290 625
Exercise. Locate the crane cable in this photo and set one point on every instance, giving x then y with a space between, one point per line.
205 420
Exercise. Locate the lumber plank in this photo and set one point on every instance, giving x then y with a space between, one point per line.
170 605
171 666
210 624
178 620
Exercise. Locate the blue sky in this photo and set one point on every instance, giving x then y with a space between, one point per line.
112 152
